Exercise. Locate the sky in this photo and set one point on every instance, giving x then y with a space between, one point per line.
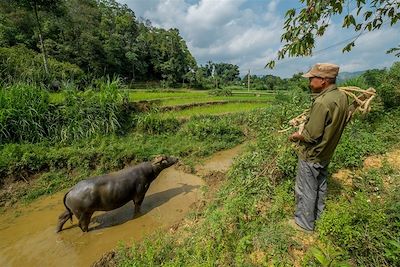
247 33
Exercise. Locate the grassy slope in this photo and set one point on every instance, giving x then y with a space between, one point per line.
246 224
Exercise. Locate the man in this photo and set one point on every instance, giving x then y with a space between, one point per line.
318 140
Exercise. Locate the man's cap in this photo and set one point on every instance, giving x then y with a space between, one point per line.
323 70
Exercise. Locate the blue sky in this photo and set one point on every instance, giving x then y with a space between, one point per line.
247 33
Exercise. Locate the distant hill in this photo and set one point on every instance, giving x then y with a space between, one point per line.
343 76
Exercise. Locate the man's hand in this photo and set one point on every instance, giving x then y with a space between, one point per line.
296 137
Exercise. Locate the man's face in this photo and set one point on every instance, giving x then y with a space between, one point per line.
317 84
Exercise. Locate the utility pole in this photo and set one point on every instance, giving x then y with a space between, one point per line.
248 81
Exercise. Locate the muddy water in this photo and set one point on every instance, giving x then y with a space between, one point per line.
28 238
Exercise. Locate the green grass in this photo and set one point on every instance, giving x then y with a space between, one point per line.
246 223
214 109
138 95
56 98
190 100
170 98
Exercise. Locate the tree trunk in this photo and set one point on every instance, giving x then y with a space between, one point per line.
41 40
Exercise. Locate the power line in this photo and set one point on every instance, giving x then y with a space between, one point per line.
318 52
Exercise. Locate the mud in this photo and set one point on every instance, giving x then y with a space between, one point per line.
28 235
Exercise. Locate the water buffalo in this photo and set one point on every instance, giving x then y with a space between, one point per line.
111 191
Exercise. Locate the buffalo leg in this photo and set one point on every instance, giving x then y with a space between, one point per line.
84 221
62 219
138 203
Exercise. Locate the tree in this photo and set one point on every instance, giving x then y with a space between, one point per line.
389 91
302 28
36 5
374 77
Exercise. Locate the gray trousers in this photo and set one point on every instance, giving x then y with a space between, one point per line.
310 192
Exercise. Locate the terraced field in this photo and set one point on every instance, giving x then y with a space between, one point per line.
188 103
214 109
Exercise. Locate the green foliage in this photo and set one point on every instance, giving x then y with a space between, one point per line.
303 26
365 136
329 256
103 38
24 112
389 91
287 162
355 81
363 227
88 113
374 77
21 64
153 123
214 128
27 115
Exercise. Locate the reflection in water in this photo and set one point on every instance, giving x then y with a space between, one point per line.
126 212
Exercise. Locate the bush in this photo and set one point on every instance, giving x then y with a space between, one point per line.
24 113
27 116
211 127
362 227
20 64
390 89
153 123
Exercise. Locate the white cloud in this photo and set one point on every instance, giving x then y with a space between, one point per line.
248 32
211 13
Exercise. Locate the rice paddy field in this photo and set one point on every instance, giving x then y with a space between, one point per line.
214 109
195 102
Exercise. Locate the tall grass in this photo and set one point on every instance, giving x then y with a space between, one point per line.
26 115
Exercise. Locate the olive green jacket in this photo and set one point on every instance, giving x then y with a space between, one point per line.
324 125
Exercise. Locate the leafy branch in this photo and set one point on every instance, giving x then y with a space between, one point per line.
302 28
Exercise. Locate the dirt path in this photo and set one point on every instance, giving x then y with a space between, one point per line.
28 235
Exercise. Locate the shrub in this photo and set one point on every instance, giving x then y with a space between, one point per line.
153 123
362 227
24 112
355 81
27 116
85 114
211 127
389 91
20 64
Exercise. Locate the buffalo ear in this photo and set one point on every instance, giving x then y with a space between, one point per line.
159 159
